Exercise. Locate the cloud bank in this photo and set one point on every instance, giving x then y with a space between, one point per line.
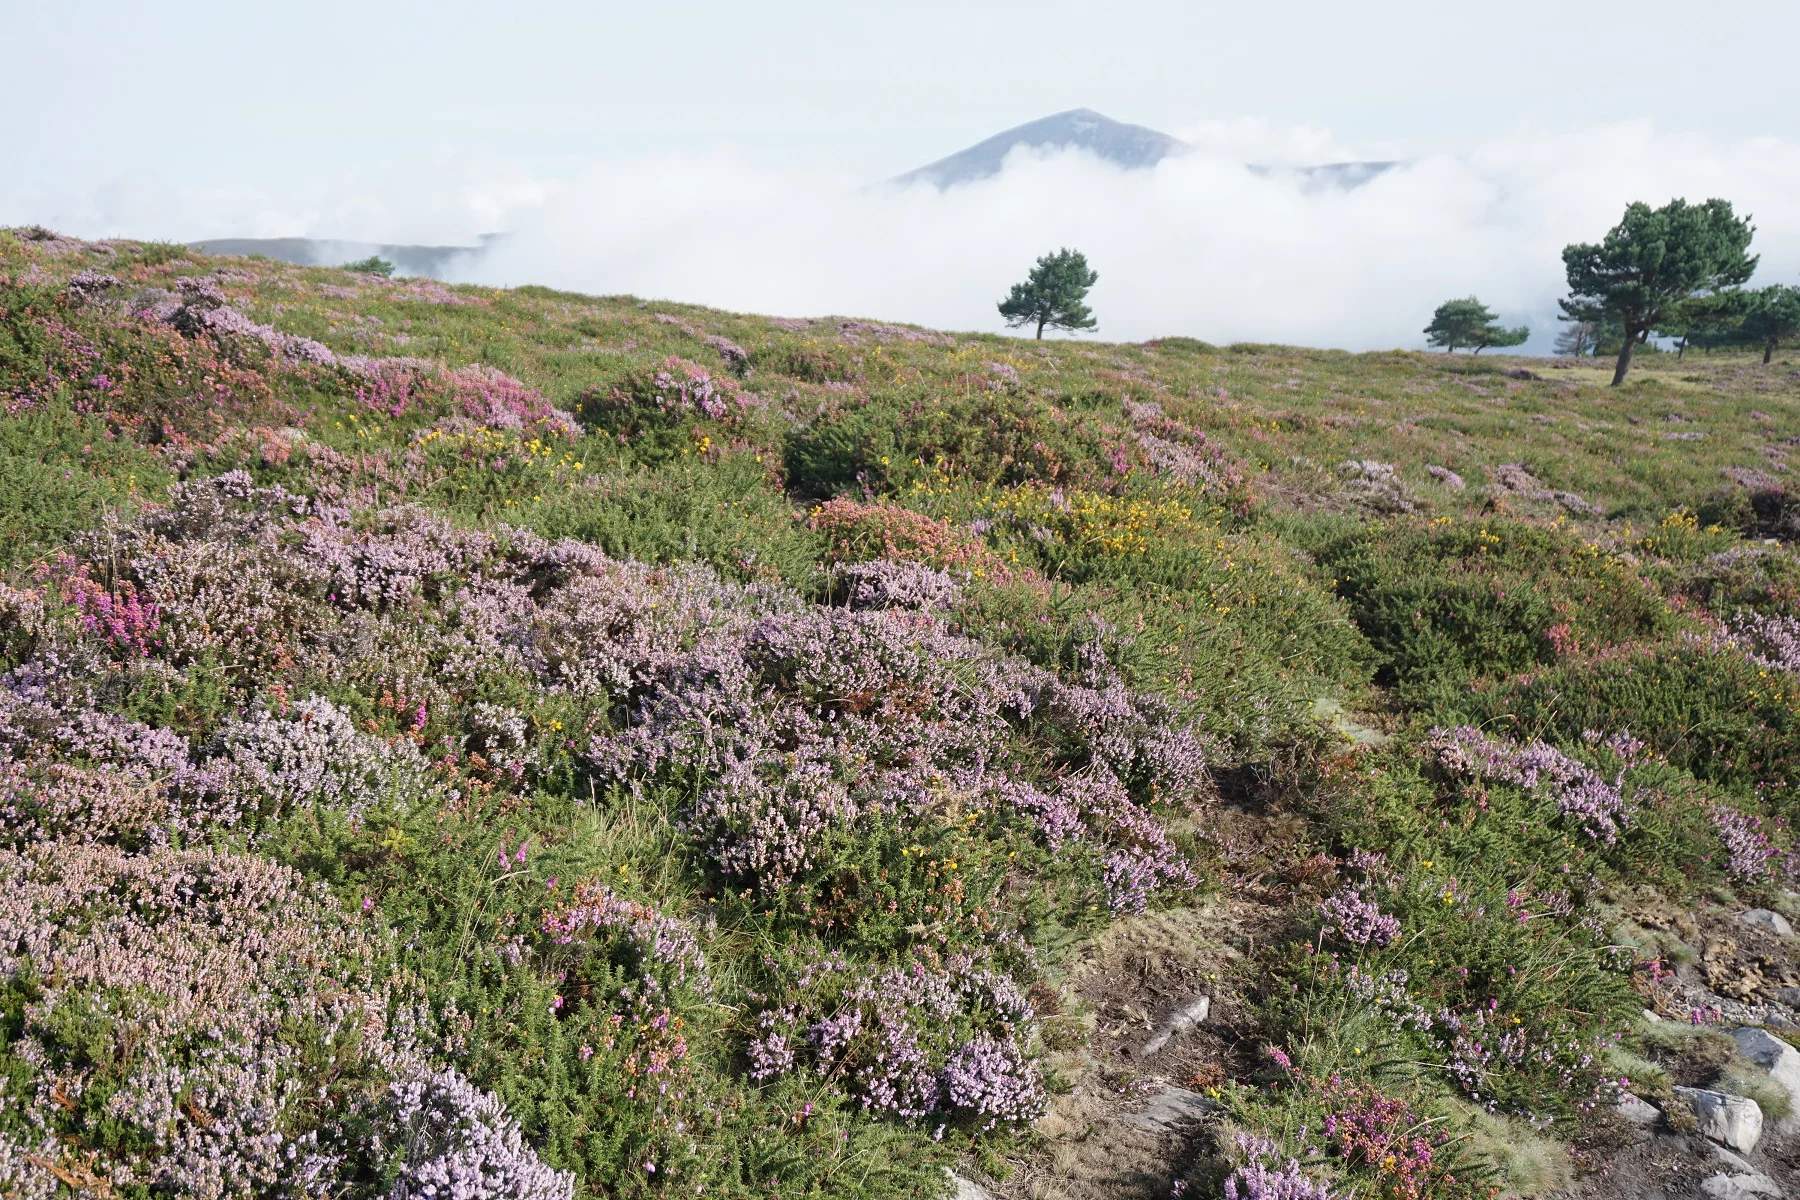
1199 246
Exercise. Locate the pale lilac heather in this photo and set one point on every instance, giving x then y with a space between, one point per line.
1748 850
1577 789
209 963
987 1081
884 583
89 284
1447 477
460 1144
1768 641
659 941
1358 921
313 755
891 1038
1261 1175
735 356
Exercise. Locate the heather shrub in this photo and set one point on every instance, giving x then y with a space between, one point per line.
924 1039
678 410
1497 984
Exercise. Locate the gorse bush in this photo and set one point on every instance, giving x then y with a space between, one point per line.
1444 602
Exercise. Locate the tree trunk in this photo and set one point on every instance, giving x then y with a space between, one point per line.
1631 338
1681 350
1041 320
1768 351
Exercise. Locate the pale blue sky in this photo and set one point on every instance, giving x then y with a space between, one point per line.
232 93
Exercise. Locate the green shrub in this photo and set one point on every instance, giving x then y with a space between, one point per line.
1446 601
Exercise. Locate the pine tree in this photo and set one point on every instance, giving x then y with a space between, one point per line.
1775 318
1653 261
1470 323
1052 296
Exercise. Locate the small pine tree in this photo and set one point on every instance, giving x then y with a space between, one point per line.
1052 296
1774 319
1469 323
372 265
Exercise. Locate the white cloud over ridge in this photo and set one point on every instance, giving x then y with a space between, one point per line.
1199 245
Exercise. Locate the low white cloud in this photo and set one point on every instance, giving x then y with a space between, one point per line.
1200 245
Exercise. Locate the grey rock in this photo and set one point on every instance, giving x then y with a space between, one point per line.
1733 1162
1170 1109
1732 1120
1179 1021
966 1189
1767 918
1639 1112
1751 1186
1773 1055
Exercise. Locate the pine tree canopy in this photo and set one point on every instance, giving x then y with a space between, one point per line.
1052 296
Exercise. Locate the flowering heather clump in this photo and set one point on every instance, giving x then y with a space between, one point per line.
1748 851
1770 641
902 1042
461 1145
659 942
200 967
497 400
885 583
1261 1175
990 1082
117 616
1358 921
1577 789
1184 454
1384 1133
313 755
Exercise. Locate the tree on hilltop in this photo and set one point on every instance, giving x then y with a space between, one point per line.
1774 318
372 265
1052 296
1470 323
1653 261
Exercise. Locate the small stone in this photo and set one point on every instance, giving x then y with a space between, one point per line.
1733 1120
1170 1109
1179 1021
1767 918
1651 1015
1638 1111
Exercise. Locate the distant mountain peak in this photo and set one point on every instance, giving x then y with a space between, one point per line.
1128 146
1133 147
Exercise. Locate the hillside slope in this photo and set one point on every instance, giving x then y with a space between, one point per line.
543 745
